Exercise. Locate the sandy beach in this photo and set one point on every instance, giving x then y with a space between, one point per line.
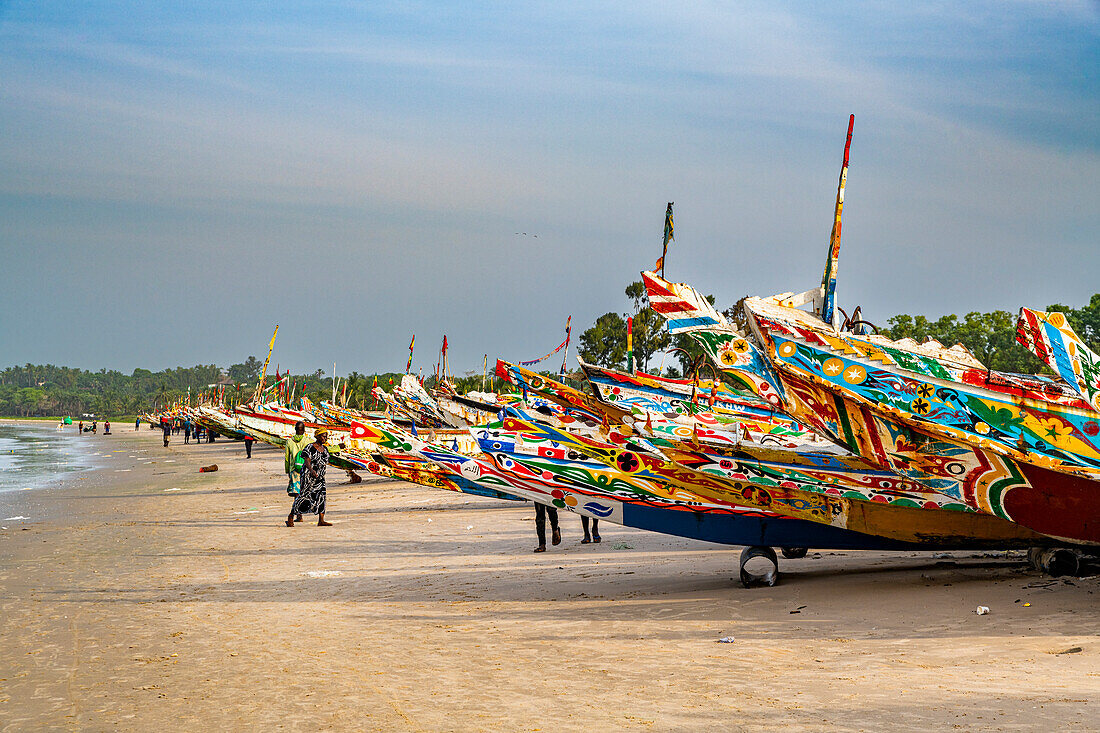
144 594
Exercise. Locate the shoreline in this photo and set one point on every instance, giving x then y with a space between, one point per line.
148 594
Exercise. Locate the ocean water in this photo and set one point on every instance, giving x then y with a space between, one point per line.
36 456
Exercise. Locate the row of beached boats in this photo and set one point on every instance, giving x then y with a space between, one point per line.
811 432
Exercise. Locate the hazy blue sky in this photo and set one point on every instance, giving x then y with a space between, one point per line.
175 178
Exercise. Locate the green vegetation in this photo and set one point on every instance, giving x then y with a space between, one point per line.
605 343
991 337
48 390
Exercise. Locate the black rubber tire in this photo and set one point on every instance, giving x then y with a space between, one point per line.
770 578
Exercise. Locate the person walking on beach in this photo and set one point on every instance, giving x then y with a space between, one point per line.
106 427
137 423
187 431
167 428
311 499
248 441
80 427
540 526
294 445
93 427
595 536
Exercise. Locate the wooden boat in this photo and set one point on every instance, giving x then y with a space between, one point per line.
541 470
1020 447
897 521
706 410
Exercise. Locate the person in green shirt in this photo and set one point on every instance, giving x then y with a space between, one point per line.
294 446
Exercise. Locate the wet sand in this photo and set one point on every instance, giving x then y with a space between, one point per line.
127 605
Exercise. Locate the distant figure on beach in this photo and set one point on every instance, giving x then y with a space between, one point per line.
595 536
210 435
248 441
294 445
187 431
94 427
80 427
311 498
540 526
291 465
106 427
167 428
137 423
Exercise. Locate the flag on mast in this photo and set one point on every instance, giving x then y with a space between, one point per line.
660 266
444 354
568 332
409 365
630 344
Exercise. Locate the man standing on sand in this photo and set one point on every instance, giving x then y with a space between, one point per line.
595 536
137 423
167 428
540 526
294 445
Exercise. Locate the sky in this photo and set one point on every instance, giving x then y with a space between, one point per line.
177 178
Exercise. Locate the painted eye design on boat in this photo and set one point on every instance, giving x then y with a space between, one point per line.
627 462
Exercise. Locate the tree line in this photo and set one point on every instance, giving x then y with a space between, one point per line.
35 390
47 390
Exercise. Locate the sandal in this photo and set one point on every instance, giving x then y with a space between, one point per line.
555 537
540 548
290 522
585 541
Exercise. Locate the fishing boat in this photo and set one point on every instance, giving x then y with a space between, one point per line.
1019 447
775 488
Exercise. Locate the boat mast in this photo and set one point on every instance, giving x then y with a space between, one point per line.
828 281
263 374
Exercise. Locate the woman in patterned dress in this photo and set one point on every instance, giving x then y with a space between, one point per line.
311 498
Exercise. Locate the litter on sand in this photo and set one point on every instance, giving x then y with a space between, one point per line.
726 640
982 610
